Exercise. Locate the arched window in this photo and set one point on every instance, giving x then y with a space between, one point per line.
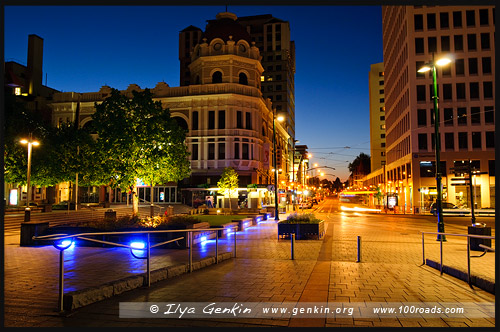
243 79
217 77
181 122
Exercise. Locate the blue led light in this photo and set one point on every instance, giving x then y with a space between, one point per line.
138 250
64 244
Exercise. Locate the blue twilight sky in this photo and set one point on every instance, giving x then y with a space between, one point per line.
86 47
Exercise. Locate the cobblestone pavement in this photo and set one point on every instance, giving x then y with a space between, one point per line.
323 272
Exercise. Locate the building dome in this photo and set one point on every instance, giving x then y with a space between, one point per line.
224 26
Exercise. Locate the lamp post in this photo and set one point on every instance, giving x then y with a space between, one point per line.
30 143
439 206
276 211
294 198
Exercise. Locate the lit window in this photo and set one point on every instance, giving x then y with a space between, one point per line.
17 91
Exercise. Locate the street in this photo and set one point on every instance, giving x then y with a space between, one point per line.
323 271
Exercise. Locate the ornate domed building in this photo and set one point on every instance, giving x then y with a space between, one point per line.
229 123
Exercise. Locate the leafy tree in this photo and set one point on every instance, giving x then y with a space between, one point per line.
361 164
228 182
137 139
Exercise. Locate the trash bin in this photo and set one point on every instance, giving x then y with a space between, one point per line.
479 229
110 214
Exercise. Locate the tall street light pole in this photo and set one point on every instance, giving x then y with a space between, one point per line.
276 211
30 142
439 206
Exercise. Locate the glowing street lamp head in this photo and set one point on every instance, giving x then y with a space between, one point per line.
35 143
309 155
280 118
24 141
443 62
424 69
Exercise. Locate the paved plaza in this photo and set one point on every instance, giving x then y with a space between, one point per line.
323 272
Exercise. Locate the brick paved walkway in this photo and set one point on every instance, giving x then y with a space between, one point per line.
323 271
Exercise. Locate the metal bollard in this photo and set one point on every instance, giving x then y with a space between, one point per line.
359 249
292 246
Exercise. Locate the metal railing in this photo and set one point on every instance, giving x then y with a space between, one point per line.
468 249
59 243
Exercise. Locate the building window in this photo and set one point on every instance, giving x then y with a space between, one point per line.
462 141
421 117
194 152
211 119
490 139
485 41
475 115
471 42
447 88
489 115
460 67
432 115
473 66
222 119
248 120
432 44
448 117
245 151
457 19
459 42
382 135
449 141
444 21
194 121
419 45
211 151
418 20
382 118
470 18
474 90
462 116
217 77
476 140
486 64
445 43
488 90
243 79
239 119
222 151
421 93
431 21
422 142
236 150
483 17
460 90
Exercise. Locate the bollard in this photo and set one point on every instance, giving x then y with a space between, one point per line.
292 246
359 249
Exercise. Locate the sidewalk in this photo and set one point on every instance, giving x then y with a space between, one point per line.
323 271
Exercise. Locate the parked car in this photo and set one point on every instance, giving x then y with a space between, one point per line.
306 205
445 205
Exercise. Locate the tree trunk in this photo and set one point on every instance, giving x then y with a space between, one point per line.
135 200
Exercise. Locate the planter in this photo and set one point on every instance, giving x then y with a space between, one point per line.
302 231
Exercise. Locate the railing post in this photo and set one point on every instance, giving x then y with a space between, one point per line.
468 260
359 248
441 253
423 250
216 247
148 276
292 245
236 229
61 280
190 237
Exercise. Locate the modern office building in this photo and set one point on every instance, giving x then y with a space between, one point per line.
229 122
412 37
377 115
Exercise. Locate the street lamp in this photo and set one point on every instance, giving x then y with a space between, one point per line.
280 118
30 143
439 206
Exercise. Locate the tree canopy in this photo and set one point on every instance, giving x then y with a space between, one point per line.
361 164
228 182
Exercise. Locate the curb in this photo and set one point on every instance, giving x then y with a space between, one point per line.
81 298
484 284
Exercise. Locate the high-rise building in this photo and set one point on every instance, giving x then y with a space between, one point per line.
412 37
377 115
